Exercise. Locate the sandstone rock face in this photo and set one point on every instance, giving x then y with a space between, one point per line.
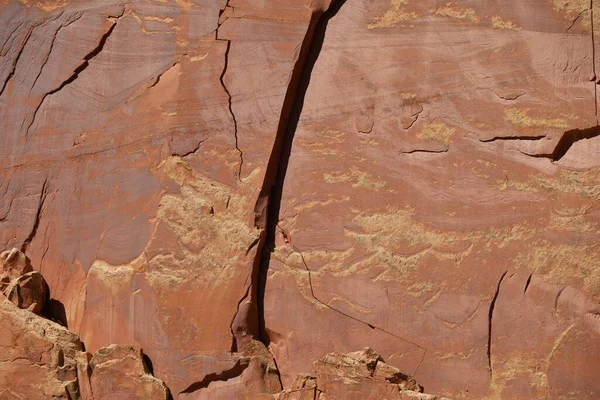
240 188
119 372
40 359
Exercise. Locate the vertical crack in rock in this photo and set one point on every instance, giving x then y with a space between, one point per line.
65 24
38 216
85 63
527 284
490 317
237 370
594 60
16 61
266 210
222 80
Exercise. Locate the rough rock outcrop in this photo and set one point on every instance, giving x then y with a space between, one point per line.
22 286
119 372
242 187
40 359
356 375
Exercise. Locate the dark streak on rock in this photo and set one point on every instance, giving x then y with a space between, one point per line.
237 370
490 317
594 59
527 284
189 153
222 81
496 138
558 296
424 151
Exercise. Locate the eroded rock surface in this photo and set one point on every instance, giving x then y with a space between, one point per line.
242 187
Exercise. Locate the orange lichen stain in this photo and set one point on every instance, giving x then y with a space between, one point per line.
454 11
499 23
397 13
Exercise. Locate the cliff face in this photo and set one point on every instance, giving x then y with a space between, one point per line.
241 187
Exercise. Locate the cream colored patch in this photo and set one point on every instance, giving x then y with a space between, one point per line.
209 221
437 131
396 13
499 23
113 277
455 11
585 183
522 119
561 263
355 177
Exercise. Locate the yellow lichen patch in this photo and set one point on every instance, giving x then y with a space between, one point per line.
455 11
211 254
141 24
44 5
582 183
407 96
522 119
355 177
571 8
576 223
318 147
382 237
396 13
499 23
519 365
325 142
436 131
185 4
561 264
